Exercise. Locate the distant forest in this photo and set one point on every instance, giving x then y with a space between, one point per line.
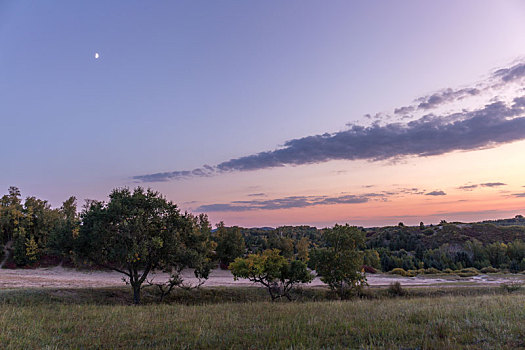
34 234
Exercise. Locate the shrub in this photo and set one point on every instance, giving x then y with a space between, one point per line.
398 271
411 273
431 270
467 272
489 269
511 287
448 271
470 270
395 289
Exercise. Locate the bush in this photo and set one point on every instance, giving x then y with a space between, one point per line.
448 271
470 269
398 271
489 269
467 272
411 273
511 287
395 289
431 271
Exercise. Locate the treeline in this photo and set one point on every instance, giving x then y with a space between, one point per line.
38 235
33 231
446 246
139 232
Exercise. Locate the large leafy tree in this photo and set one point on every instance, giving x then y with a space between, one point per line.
275 272
339 263
140 231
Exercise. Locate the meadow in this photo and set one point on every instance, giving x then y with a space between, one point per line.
242 318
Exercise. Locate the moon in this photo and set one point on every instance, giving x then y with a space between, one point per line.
97 55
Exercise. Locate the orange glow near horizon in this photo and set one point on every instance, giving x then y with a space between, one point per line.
445 173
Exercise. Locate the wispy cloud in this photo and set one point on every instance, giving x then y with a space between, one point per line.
436 193
445 96
468 187
486 184
309 201
493 184
283 203
257 195
483 127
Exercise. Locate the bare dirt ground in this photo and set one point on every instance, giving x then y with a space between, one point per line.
59 277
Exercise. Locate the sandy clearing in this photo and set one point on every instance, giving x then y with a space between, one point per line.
59 277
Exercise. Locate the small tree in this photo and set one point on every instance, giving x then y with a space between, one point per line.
302 249
275 272
138 232
339 263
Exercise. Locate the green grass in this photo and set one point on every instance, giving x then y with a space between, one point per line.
48 318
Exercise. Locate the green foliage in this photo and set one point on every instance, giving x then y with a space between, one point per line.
302 247
489 269
284 244
62 237
140 231
399 271
339 264
230 243
511 287
32 251
275 272
371 258
395 289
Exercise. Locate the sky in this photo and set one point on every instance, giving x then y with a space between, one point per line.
270 113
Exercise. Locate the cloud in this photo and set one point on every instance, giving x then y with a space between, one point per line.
445 96
467 187
431 135
485 127
512 73
404 110
283 203
436 193
309 201
486 184
519 194
493 184
257 195
498 78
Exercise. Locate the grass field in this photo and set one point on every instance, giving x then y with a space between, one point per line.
427 319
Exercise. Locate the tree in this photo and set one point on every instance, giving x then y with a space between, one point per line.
371 258
62 238
10 214
278 274
138 232
339 263
302 249
230 243
276 240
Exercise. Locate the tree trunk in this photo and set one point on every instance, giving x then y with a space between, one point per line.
136 293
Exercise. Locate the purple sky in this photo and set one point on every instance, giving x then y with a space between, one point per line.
274 97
